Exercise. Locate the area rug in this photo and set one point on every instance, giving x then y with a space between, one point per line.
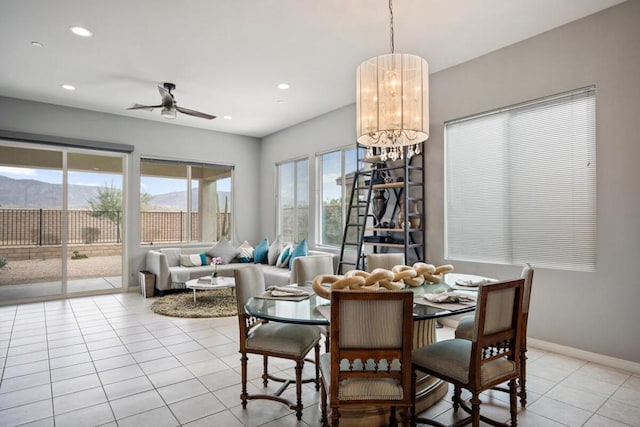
214 303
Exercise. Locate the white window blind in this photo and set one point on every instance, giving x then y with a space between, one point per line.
521 184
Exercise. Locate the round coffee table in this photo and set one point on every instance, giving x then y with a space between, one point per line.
220 283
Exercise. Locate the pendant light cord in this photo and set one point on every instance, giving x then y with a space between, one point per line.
391 24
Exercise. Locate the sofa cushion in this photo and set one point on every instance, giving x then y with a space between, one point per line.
274 276
283 258
260 253
300 250
225 250
274 250
173 256
246 252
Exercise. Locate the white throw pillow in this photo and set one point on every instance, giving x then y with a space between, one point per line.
274 251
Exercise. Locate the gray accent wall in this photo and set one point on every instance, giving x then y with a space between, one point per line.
150 139
597 312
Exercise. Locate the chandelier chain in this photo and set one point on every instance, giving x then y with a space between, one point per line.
391 24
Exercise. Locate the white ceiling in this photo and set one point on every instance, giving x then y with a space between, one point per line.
227 56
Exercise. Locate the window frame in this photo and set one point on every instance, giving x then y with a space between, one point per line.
296 234
345 191
188 209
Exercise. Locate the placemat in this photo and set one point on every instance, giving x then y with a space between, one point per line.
444 305
267 295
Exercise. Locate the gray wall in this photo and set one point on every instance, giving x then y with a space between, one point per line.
151 139
596 312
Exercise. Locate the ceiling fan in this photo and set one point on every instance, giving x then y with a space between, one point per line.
170 106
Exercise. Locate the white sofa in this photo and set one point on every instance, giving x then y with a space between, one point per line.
164 263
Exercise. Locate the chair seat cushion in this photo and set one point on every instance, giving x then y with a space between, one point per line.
361 388
451 358
293 340
465 328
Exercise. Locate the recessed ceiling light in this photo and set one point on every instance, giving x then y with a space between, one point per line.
36 44
283 86
68 87
80 31
280 101
227 117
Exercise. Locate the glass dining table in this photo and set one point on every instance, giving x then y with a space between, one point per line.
315 311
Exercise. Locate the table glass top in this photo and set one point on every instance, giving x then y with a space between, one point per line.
309 312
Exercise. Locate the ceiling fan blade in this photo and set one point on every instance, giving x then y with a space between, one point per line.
195 113
167 98
143 107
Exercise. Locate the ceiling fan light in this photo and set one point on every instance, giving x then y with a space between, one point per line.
168 113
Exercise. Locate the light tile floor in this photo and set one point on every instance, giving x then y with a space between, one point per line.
108 360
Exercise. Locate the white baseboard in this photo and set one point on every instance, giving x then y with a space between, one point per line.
612 362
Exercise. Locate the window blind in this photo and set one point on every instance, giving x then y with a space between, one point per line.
521 184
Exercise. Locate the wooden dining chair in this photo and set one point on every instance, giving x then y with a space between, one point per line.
370 359
465 331
271 339
306 268
386 261
490 358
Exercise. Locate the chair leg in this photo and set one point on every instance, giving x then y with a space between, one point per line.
392 417
335 417
323 405
523 378
513 402
475 410
243 395
414 378
317 350
457 392
298 408
265 370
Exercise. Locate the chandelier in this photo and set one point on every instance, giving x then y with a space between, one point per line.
392 103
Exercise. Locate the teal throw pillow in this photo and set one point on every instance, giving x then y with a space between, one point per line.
203 259
283 258
261 251
300 250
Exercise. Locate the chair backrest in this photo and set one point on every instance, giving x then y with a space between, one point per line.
371 343
386 261
249 283
306 268
527 275
497 332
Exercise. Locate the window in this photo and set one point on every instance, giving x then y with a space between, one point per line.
184 202
293 200
337 169
521 184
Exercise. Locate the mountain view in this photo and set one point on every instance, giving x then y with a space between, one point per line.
30 193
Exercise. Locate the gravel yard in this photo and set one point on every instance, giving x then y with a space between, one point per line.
38 270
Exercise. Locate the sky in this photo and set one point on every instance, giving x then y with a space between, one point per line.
152 186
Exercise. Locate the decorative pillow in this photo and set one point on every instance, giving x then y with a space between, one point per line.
225 250
246 252
203 259
192 260
300 250
261 251
283 258
274 251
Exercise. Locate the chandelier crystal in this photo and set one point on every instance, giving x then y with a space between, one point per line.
392 103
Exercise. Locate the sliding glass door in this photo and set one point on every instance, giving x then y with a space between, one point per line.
61 216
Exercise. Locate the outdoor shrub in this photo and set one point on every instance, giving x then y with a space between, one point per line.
3 262
78 255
